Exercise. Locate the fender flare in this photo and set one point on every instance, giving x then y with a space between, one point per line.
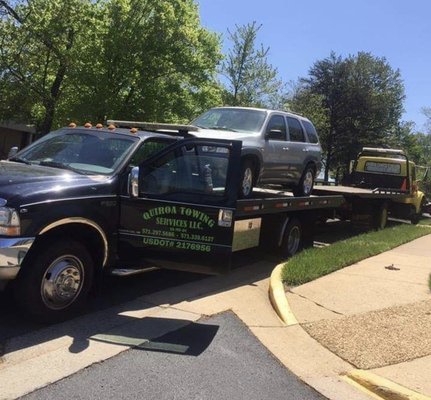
84 221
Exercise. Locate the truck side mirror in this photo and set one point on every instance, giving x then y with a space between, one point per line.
13 150
133 182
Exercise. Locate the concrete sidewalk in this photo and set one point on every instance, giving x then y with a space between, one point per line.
376 316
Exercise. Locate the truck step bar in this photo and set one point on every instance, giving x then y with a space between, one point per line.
131 271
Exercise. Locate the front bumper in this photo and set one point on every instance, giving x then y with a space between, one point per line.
12 253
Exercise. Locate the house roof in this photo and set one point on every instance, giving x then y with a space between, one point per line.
18 126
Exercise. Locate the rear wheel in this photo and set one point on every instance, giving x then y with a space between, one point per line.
306 183
292 238
381 217
57 281
247 179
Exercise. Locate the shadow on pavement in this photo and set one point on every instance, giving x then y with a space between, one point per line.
183 337
110 317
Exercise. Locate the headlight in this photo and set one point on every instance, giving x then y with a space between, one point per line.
9 222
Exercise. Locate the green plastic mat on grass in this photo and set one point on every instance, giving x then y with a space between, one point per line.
313 263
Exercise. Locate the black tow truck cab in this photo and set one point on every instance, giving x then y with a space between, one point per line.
84 201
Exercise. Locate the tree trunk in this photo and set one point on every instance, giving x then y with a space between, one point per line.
46 125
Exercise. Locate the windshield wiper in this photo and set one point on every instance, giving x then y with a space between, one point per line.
20 160
56 164
222 128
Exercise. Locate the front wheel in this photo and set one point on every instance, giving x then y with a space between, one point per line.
306 183
416 217
55 283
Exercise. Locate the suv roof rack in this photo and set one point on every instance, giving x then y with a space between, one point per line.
171 129
294 113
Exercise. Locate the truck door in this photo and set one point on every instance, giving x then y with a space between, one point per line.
181 216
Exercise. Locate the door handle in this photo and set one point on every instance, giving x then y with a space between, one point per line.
285 148
306 150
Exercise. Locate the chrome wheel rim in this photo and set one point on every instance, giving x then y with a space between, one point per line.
308 182
247 181
62 282
293 240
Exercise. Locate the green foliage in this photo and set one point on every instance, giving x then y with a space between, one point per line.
427 112
156 63
88 60
416 144
361 97
314 263
252 81
41 42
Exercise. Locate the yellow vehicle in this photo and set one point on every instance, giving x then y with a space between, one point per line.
385 171
380 182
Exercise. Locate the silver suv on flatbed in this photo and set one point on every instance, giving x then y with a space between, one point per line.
277 147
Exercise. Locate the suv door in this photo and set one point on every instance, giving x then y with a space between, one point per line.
274 155
298 149
182 217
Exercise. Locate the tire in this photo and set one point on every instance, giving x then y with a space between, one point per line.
247 179
54 284
381 217
306 183
415 218
292 238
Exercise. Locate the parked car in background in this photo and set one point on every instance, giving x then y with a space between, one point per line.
277 147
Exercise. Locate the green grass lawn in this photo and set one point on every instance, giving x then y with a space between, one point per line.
425 221
313 263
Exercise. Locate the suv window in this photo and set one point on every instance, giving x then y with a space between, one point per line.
311 132
276 123
296 133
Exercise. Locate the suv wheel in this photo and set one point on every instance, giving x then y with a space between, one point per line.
246 180
306 183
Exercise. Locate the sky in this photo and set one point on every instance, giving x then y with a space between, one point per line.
301 32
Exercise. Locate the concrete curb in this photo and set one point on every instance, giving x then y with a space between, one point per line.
383 388
379 387
278 297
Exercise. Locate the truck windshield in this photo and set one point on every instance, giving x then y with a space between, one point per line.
82 151
231 119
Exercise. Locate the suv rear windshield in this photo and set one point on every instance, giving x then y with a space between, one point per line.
229 119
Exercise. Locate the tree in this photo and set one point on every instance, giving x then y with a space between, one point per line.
251 79
87 60
427 112
154 62
363 100
41 42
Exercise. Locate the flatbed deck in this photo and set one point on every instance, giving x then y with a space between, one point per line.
268 201
348 191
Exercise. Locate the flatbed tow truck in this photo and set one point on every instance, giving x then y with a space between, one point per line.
69 214
82 202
